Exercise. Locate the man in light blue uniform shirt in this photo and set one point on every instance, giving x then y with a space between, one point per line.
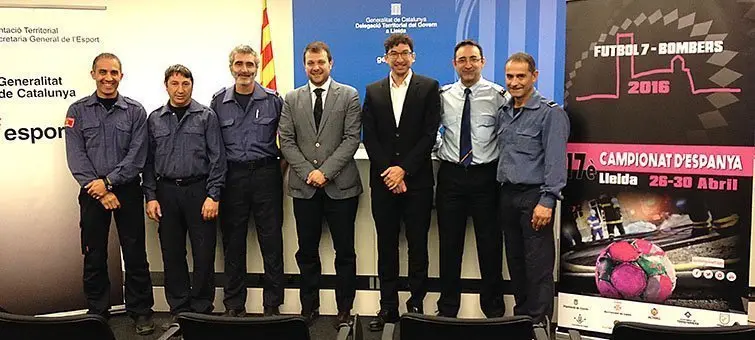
532 173
467 180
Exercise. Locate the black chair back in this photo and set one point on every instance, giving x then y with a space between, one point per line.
635 330
424 327
201 326
82 327
357 328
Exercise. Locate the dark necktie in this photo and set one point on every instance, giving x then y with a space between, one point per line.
465 144
318 107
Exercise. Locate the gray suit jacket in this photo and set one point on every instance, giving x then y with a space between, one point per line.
330 149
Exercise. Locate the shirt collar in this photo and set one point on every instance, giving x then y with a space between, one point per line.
194 106
474 87
406 81
534 102
257 94
325 86
119 102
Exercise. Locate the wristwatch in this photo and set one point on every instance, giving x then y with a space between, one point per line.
108 184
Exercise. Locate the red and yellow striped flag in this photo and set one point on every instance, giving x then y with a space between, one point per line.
268 67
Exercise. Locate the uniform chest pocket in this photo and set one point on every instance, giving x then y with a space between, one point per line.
123 134
266 128
193 138
227 131
449 119
484 127
90 130
162 140
527 141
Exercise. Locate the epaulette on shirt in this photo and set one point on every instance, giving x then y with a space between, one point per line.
131 101
220 92
81 100
552 104
271 91
502 92
445 88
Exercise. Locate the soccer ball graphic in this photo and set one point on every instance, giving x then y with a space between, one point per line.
635 269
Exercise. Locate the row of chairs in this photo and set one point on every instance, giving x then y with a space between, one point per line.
193 326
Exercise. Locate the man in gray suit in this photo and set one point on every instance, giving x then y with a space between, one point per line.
319 135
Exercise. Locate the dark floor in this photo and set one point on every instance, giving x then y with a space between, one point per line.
321 329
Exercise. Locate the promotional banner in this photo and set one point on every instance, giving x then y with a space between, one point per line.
46 57
656 219
355 31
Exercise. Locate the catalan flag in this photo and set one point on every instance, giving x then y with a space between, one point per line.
268 67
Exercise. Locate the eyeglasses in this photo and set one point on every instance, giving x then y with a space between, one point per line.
464 60
403 54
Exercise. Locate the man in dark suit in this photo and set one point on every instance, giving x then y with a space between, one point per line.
401 114
319 135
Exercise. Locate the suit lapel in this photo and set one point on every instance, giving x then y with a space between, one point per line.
330 101
385 85
305 106
411 96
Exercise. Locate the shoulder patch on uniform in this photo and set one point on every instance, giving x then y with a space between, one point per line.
445 88
552 104
222 91
502 92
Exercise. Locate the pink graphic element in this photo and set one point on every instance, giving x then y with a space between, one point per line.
669 70
679 159
634 269
623 251
659 288
629 279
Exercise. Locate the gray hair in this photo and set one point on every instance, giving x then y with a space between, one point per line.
243 49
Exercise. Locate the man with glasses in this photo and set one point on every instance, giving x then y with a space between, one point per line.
466 181
400 117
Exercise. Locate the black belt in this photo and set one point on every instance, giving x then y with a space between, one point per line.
181 182
520 187
255 164
493 164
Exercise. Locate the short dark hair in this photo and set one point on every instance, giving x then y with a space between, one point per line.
106 55
396 39
180 70
317 47
523 57
468 42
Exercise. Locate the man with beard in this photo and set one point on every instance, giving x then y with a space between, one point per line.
248 115
319 134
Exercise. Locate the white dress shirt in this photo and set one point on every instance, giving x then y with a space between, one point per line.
398 94
325 86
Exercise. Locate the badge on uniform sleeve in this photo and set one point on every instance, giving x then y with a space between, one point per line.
69 122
